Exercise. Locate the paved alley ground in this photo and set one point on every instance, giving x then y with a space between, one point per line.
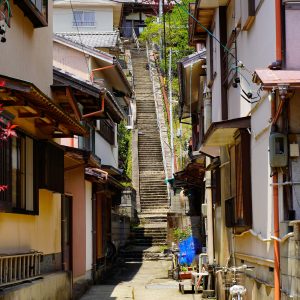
139 281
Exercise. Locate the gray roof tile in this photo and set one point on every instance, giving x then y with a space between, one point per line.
107 39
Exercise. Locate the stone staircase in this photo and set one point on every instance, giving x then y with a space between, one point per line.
151 233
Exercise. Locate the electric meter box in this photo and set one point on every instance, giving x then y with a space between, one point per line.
278 150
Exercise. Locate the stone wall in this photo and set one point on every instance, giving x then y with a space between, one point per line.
128 206
120 227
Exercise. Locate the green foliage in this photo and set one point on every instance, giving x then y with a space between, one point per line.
181 234
124 142
176 26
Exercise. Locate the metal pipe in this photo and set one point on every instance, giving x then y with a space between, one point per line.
275 115
99 69
278 31
171 114
96 113
208 189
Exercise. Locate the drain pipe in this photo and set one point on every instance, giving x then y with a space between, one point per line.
208 192
275 116
275 214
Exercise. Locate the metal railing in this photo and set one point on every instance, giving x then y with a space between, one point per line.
136 40
18 268
157 118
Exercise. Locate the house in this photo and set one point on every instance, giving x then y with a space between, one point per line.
82 16
95 24
90 85
32 164
188 183
251 216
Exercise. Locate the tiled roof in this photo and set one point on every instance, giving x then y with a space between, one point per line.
107 39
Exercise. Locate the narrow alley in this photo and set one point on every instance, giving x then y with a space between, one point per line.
139 281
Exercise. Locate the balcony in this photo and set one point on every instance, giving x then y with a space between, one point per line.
35 10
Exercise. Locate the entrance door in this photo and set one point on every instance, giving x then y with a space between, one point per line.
66 232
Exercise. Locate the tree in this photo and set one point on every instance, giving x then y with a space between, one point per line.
176 26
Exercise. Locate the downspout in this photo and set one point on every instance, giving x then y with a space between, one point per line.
276 215
94 235
208 192
278 32
98 112
275 116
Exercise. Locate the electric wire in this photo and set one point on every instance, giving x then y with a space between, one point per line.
183 7
79 35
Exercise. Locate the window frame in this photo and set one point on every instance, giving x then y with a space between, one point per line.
8 203
243 197
238 206
81 23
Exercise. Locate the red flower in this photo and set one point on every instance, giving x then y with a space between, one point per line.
9 130
3 188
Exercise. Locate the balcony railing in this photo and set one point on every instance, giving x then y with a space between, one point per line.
84 24
18 268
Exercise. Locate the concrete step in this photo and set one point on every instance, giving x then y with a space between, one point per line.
151 194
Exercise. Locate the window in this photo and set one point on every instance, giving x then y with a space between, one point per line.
84 18
238 205
35 10
243 204
51 167
19 173
106 128
88 142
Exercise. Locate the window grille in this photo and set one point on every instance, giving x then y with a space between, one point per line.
84 18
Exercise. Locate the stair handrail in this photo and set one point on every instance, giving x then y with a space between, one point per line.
157 119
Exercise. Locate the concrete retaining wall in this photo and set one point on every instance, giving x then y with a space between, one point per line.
52 286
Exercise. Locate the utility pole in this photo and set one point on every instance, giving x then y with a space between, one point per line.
171 112
160 16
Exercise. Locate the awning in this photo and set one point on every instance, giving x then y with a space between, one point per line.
70 90
211 152
191 83
35 112
270 79
222 133
204 12
192 175
97 173
75 157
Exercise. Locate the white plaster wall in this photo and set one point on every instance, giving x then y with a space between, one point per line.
63 19
216 88
259 55
261 190
27 53
108 153
89 227
255 48
70 60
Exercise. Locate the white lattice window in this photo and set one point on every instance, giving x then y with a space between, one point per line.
84 18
